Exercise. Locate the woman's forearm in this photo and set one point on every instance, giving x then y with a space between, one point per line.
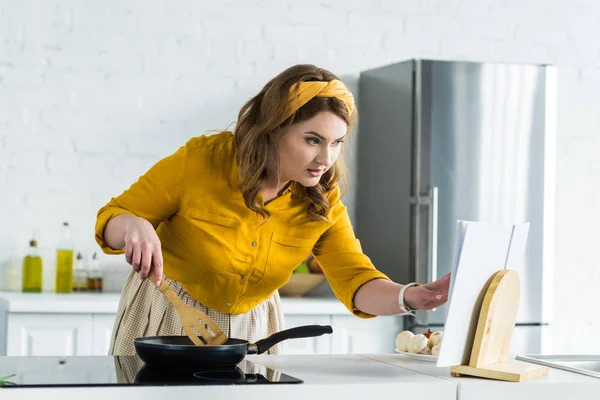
378 297
115 230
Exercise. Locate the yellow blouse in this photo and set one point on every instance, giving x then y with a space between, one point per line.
216 247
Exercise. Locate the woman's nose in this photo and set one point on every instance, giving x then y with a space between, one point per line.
325 157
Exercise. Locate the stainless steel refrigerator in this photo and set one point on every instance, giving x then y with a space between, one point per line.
441 141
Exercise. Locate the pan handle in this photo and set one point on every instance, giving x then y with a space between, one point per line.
293 333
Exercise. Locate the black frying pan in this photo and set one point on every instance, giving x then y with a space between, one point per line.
179 352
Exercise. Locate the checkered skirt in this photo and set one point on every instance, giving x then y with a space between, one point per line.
145 311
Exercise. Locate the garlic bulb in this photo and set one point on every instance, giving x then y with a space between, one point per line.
403 339
417 343
435 350
435 338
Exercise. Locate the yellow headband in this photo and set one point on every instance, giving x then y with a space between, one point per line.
302 92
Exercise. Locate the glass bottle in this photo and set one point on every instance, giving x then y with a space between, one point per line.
95 281
64 262
80 275
32 269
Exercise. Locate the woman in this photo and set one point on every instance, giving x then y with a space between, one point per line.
227 217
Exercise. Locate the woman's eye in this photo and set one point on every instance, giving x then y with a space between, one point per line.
339 142
312 141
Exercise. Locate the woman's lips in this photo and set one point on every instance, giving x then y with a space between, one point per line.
315 172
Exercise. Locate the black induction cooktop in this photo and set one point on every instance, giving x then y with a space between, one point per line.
81 371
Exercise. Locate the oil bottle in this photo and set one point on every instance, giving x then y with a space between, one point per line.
80 275
32 269
95 278
64 262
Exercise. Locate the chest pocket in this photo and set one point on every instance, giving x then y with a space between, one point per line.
210 239
285 254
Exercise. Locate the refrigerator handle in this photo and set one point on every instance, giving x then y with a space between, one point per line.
433 235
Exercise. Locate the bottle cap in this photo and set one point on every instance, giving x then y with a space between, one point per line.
33 243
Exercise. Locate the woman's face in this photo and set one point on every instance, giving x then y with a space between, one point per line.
309 148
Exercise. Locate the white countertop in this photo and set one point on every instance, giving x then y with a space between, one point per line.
108 303
558 384
325 377
362 376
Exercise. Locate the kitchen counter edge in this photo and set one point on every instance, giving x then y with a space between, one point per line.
108 303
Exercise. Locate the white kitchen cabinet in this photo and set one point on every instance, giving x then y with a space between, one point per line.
102 327
37 334
315 345
81 324
49 334
350 334
39 324
358 335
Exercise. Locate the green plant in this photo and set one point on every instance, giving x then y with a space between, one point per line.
303 268
4 382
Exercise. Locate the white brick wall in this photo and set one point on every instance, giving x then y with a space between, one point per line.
93 92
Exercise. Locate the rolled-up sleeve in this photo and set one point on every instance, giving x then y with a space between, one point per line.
154 197
346 268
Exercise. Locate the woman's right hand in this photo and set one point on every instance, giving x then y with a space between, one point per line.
142 248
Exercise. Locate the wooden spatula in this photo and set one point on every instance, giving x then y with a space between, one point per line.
192 317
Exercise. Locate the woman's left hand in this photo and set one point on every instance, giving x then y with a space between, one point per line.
429 295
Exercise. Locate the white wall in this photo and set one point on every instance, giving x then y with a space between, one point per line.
93 92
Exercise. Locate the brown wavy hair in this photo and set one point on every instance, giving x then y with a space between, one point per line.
259 121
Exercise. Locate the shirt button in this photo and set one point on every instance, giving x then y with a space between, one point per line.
253 244
243 276
228 304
